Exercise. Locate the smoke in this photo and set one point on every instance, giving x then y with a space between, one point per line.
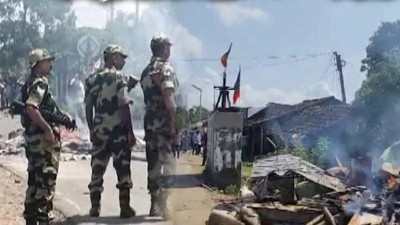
134 36
75 102
159 19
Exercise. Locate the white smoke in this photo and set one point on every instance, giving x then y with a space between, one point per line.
158 19
153 18
75 101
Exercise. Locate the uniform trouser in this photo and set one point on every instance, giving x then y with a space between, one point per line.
204 156
161 165
43 162
101 152
176 150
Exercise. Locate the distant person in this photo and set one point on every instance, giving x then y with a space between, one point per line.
194 142
198 147
76 96
177 145
204 144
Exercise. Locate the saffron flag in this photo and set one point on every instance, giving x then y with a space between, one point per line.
236 88
224 58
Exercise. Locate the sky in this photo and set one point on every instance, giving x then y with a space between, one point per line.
285 48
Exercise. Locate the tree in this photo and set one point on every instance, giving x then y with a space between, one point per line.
385 39
194 114
182 118
26 24
376 105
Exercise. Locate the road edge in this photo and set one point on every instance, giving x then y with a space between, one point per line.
62 205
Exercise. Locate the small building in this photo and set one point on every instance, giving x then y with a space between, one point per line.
282 126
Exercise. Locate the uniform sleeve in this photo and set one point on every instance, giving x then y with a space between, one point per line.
168 78
87 98
36 94
122 93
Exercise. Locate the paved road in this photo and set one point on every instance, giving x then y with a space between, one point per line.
72 196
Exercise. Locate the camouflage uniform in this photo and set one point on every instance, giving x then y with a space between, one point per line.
106 90
43 158
159 142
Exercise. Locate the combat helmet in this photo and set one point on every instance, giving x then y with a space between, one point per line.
158 39
38 55
112 49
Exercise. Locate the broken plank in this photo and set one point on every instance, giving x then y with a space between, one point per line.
328 216
316 220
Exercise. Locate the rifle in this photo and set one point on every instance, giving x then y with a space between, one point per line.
18 108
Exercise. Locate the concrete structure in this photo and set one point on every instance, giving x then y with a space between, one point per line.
224 156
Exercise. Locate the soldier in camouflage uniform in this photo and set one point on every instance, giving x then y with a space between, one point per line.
159 85
42 138
111 128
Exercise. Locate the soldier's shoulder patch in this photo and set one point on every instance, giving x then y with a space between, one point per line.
163 67
167 69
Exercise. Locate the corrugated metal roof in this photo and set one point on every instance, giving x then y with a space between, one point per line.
253 110
282 164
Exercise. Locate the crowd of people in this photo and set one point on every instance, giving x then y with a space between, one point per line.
10 85
194 140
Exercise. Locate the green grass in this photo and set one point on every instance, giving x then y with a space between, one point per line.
246 171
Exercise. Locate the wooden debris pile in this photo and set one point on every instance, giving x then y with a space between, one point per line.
304 194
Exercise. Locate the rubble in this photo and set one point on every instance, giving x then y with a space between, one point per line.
277 195
74 146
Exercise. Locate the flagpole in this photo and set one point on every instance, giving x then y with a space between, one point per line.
224 93
214 97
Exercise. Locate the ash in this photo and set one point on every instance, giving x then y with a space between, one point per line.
75 146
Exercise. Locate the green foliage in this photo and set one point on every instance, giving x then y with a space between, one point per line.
246 171
231 190
385 39
376 103
315 155
191 116
182 118
28 24
194 114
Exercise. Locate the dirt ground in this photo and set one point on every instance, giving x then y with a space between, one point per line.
193 204
12 194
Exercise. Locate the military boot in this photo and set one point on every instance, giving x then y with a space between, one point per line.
155 208
30 221
43 223
95 200
124 202
165 211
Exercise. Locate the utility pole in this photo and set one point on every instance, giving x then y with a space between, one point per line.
339 64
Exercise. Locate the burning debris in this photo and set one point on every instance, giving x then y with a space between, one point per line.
288 190
74 145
